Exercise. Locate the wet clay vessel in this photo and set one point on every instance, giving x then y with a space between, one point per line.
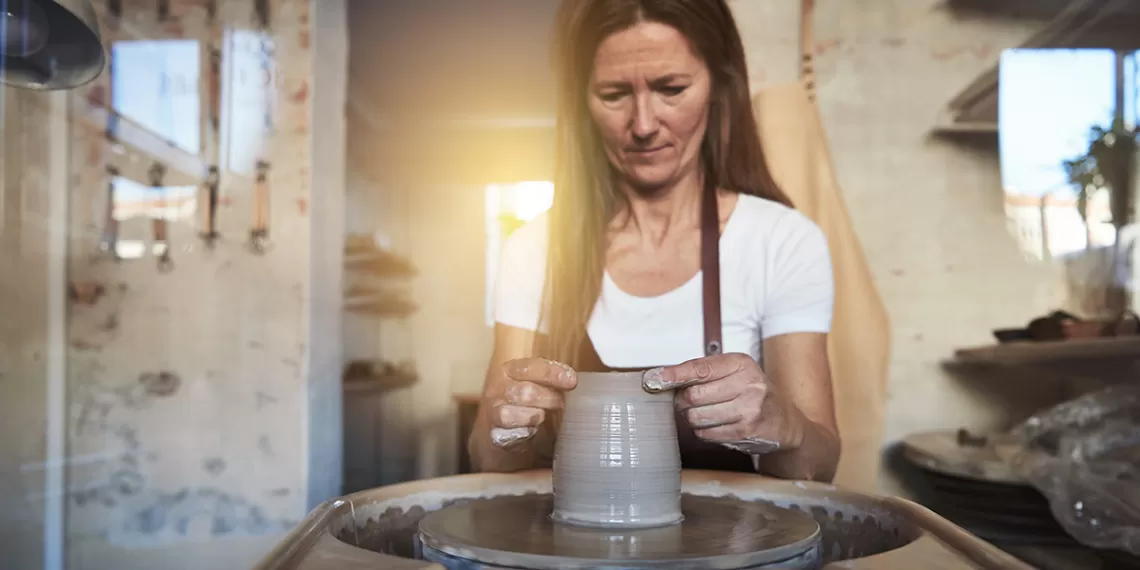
617 463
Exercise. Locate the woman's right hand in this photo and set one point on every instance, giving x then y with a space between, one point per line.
533 386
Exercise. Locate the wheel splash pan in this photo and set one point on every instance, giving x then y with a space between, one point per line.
374 529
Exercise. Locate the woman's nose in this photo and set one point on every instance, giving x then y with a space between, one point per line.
645 120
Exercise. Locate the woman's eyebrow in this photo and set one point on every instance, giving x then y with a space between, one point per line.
657 81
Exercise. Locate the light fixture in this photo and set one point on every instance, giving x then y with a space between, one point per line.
49 44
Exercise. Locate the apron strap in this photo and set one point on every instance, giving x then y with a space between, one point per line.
710 268
807 46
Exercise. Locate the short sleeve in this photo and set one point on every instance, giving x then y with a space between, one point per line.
800 291
521 276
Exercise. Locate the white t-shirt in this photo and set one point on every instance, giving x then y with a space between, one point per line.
775 278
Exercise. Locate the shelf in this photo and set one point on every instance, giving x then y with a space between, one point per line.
382 307
363 255
378 302
1050 352
374 376
967 128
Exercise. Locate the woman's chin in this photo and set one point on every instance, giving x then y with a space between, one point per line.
651 181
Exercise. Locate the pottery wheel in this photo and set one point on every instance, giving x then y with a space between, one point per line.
717 532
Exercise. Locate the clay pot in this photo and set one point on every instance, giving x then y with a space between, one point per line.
617 462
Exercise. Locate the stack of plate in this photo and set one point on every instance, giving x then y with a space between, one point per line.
968 482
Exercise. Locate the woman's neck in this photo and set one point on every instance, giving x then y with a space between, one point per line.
658 215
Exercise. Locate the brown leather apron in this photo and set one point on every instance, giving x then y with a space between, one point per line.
695 453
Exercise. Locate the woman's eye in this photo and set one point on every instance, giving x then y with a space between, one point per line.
611 97
673 90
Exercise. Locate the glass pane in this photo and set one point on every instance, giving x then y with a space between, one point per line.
25 328
154 292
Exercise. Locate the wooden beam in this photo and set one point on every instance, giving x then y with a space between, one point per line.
1074 20
1015 8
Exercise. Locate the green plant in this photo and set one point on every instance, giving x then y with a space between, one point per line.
1110 153
509 223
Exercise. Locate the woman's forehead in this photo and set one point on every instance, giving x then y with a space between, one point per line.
645 52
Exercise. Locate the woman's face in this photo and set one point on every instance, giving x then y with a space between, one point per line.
649 98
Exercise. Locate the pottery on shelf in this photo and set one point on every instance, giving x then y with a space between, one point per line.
617 462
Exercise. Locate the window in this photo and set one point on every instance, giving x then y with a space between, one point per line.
1049 101
159 109
155 85
247 100
509 207
155 94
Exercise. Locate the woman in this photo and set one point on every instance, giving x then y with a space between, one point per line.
657 146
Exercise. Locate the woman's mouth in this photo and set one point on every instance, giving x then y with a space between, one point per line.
646 152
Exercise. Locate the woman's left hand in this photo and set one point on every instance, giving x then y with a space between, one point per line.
727 399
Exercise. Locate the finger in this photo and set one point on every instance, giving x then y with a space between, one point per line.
505 437
533 395
723 433
707 394
510 416
695 371
716 415
540 371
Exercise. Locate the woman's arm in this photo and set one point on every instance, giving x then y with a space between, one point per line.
797 310
797 368
518 390
510 344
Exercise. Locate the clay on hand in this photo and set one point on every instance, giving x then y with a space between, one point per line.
726 399
534 385
753 446
505 437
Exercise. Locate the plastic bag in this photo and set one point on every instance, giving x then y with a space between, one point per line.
1084 456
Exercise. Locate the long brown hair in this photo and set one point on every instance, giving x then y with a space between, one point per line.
586 196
